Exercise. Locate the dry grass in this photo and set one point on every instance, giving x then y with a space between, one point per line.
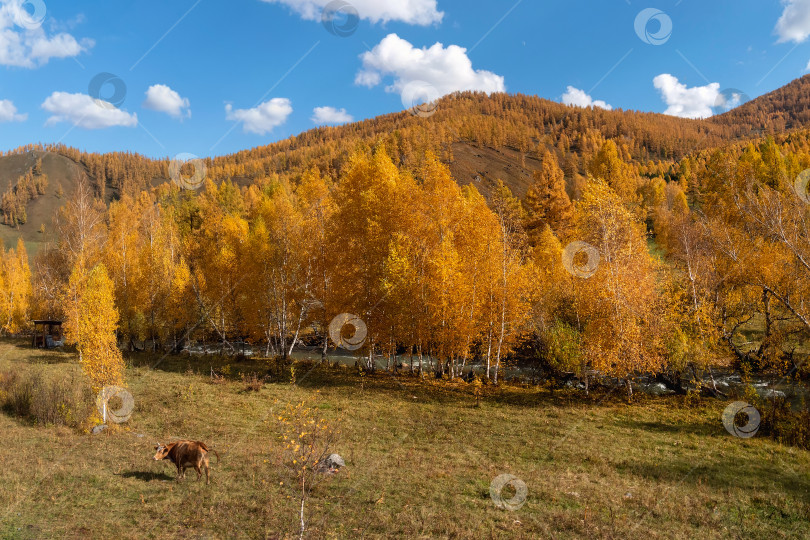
419 463
46 399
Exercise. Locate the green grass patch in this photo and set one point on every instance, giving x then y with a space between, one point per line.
420 458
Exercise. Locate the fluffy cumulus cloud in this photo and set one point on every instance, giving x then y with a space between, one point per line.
577 97
442 69
8 112
695 102
23 41
83 111
422 12
262 118
794 24
161 98
330 115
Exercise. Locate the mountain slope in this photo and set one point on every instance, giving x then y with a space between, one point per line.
483 138
61 173
785 109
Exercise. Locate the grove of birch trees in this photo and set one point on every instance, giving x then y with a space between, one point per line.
439 274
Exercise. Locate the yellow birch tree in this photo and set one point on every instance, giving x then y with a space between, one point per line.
91 325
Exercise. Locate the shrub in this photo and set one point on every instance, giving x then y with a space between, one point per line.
65 399
277 367
252 382
555 351
787 426
217 378
17 392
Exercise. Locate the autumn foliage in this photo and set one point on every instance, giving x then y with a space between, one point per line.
696 245
15 289
91 325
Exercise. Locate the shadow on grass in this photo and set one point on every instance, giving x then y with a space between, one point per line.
315 375
46 358
695 428
203 364
22 348
146 476
732 473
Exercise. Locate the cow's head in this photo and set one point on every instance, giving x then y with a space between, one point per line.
161 452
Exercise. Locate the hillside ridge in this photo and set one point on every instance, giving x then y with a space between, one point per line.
482 138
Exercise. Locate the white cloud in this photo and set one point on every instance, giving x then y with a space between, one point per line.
262 118
8 112
24 43
422 12
330 115
161 98
696 102
577 97
83 111
794 24
445 70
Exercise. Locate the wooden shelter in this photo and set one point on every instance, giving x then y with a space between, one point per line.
47 334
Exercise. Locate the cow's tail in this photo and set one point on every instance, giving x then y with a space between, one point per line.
204 447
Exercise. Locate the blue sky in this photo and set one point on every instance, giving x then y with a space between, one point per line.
210 77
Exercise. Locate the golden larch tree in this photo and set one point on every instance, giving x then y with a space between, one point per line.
547 202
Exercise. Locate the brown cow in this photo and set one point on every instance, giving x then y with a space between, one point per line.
184 454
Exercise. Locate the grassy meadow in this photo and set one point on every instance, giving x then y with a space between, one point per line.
420 457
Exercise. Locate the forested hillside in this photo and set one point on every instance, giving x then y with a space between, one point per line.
481 138
783 109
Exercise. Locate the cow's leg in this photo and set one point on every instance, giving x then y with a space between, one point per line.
199 472
179 473
205 464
